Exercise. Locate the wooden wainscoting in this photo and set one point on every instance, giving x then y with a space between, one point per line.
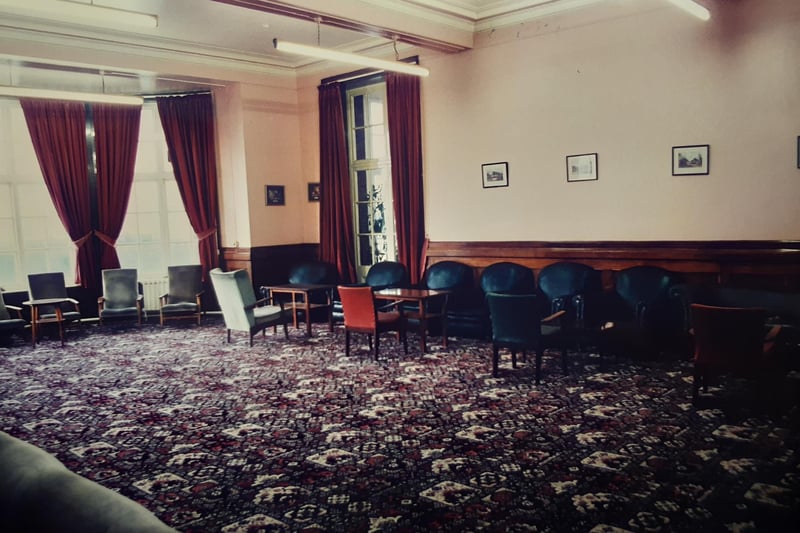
268 265
771 265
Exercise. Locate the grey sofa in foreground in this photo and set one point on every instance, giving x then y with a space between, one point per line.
38 493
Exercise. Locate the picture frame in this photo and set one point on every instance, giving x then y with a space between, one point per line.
690 160
313 192
494 175
582 167
275 195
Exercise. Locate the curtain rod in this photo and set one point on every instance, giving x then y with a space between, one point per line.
184 93
363 73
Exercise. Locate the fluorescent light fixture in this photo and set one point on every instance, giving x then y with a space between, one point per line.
26 92
692 8
345 57
77 12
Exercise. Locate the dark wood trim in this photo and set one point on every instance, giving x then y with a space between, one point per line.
268 264
758 264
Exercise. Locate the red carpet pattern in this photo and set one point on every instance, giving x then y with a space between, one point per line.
293 436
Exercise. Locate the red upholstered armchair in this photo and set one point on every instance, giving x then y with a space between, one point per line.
362 316
731 340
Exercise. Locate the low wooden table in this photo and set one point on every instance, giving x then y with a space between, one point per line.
421 297
36 320
306 305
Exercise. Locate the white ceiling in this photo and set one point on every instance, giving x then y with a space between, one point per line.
199 43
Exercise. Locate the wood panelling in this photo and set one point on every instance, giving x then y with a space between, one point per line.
756 264
268 265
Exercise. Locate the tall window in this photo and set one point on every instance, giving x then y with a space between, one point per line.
32 238
156 232
371 176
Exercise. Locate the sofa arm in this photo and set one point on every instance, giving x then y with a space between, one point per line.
38 493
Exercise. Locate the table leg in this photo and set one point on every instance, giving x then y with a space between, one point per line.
34 320
307 309
423 326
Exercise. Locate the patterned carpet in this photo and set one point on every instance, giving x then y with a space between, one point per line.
293 436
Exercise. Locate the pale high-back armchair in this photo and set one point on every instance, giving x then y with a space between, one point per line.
240 308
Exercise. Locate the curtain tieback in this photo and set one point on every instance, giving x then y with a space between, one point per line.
105 238
206 234
80 242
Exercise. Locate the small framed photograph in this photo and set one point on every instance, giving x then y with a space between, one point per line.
275 195
313 192
690 160
582 167
494 175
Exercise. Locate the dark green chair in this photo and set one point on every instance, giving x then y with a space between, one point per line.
184 297
121 297
519 326
10 324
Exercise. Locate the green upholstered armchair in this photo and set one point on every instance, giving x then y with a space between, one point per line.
184 298
121 297
240 308
10 323
518 325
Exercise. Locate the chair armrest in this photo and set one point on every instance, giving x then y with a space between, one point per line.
554 316
17 310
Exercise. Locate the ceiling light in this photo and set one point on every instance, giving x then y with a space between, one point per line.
81 13
344 57
26 92
692 8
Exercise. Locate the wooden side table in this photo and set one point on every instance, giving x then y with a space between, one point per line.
304 304
58 318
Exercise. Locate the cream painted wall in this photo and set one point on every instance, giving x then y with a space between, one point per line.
629 89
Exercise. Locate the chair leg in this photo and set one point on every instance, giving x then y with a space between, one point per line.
285 330
377 344
495 360
347 343
513 359
405 341
538 364
229 336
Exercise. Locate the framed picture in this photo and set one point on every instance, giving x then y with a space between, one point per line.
582 167
275 195
313 192
494 175
690 160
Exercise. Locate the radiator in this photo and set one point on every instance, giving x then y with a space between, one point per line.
152 290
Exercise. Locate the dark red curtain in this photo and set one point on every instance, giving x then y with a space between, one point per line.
336 244
405 147
116 131
188 123
58 132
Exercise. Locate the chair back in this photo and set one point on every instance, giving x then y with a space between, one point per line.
358 306
386 275
236 298
185 283
564 279
644 284
730 337
448 275
314 272
508 278
515 318
4 314
120 287
47 285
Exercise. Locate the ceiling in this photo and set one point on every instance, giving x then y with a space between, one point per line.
202 43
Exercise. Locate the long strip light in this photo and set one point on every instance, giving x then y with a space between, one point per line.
27 92
345 57
692 8
77 12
